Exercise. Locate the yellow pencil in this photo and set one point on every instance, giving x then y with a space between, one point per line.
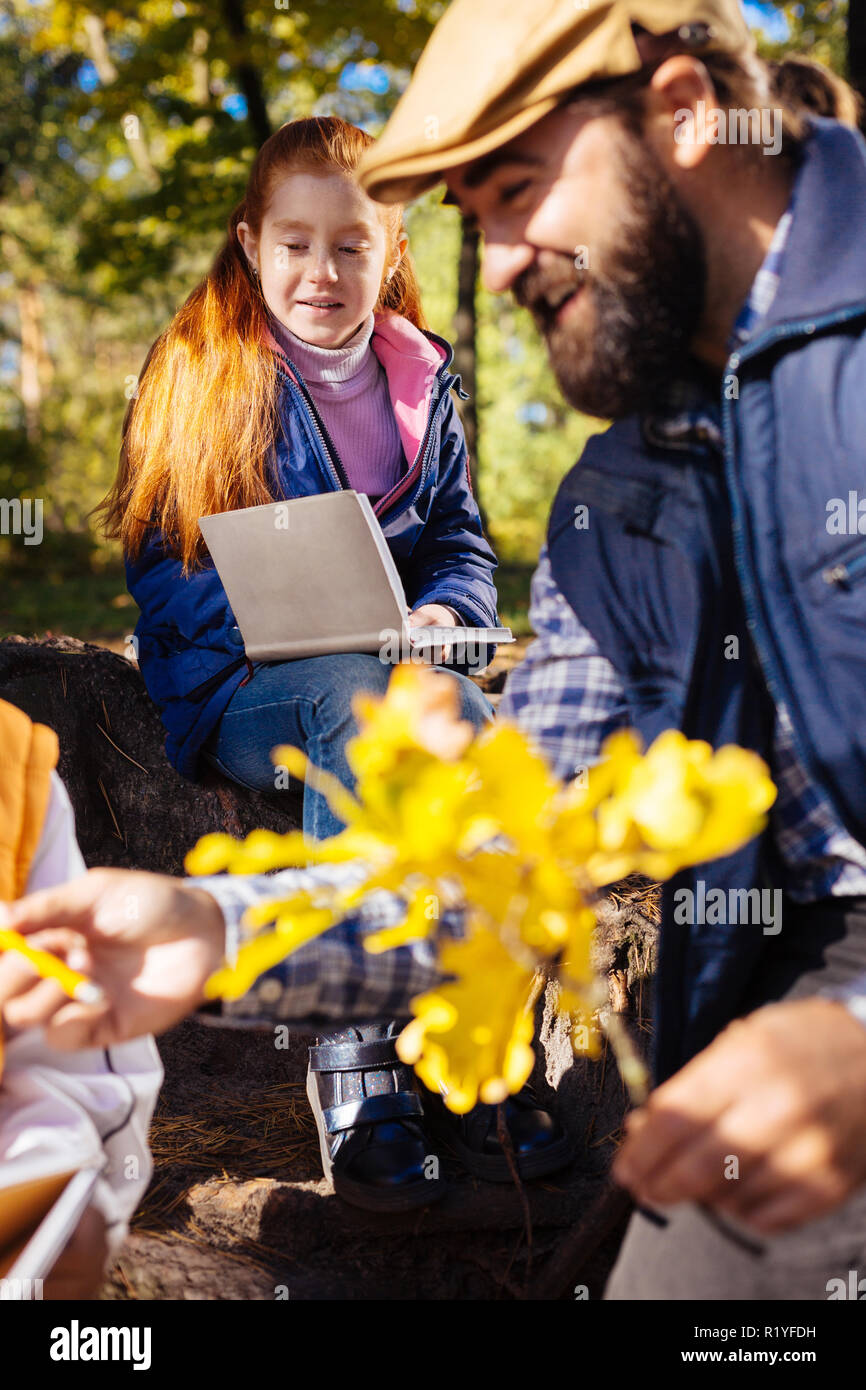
50 967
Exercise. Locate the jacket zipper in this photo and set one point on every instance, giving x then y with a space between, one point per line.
332 458
388 501
213 682
436 397
756 618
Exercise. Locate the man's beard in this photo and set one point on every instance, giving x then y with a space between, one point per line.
646 302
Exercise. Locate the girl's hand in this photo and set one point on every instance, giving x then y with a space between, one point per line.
434 615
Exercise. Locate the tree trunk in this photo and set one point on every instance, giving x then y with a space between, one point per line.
132 810
248 77
201 91
857 50
35 361
97 49
465 333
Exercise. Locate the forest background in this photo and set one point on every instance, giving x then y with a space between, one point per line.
126 135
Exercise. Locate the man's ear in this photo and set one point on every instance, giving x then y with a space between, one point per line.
680 103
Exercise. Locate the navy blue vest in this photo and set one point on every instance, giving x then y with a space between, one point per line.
685 550
651 577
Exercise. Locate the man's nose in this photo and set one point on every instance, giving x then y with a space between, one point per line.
501 264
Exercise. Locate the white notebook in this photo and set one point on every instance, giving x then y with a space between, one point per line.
42 1200
315 575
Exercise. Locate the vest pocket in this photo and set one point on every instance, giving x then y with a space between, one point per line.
844 570
844 574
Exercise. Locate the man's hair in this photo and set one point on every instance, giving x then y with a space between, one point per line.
741 81
809 86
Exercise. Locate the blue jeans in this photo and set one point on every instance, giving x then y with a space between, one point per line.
308 704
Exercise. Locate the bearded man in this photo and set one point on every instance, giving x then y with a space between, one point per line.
694 256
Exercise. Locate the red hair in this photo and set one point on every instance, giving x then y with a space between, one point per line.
198 433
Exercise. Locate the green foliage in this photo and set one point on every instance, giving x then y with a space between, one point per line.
816 28
123 155
521 459
122 151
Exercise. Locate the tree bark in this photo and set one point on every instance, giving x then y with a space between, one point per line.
248 77
857 50
465 350
36 367
132 810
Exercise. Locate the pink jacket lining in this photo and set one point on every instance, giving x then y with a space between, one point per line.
411 362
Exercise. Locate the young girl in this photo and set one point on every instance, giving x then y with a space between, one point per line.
301 364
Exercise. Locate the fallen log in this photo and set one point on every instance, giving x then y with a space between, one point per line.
131 808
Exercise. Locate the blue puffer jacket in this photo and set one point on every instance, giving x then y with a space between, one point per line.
190 649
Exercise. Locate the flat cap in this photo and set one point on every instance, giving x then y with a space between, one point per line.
492 68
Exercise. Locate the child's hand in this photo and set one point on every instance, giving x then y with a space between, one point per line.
149 940
434 615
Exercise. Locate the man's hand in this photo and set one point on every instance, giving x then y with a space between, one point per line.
149 940
783 1092
433 615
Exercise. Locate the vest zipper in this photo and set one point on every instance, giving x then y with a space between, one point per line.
804 327
754 608
757 622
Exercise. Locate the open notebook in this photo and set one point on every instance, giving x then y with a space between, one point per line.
51 1158
42 1201
314 575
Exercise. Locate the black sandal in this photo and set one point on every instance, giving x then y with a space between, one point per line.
373 1146
539 1143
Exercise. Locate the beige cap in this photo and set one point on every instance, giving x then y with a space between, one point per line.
492 68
